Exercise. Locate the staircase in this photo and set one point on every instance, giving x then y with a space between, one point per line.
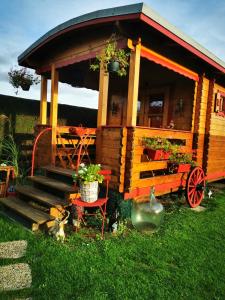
45 198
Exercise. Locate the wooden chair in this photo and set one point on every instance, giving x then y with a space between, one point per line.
100 203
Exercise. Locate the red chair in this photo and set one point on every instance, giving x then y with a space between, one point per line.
100 203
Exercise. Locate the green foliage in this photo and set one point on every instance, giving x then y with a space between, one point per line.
21 77
158 143
112 53
10 153
183 260
182 158
88 173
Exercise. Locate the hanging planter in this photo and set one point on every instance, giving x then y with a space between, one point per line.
112 58
21 78
113 66
25 86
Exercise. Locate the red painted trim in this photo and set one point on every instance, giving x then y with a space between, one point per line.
158 188
216 176
169 64
181 42
81 25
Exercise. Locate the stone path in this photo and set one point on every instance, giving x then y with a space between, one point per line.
14 276
15 249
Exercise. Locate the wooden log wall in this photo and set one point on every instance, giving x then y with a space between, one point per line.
137 162
111 153
215 151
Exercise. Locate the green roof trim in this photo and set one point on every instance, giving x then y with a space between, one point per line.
122 11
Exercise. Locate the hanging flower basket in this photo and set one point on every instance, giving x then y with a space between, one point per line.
89 191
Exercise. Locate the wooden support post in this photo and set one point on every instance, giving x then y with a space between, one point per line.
103 97
54 109
200 118
133 85
43 101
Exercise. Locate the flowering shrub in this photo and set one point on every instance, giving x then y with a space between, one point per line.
88 173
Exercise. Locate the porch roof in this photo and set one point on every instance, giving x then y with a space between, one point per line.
138 11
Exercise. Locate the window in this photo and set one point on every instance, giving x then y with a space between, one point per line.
220 104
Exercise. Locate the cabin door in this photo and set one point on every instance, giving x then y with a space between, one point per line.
156 108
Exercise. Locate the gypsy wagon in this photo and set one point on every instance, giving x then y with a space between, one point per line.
172 79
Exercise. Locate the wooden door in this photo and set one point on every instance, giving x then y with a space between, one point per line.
156 108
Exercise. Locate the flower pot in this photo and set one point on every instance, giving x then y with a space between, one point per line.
89 191
25 86
113 66
157 154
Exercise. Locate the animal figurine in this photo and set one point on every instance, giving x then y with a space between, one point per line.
58 229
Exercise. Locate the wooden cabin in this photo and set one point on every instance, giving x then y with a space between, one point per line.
171 78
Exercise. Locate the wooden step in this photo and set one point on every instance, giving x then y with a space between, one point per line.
41 196
26 210
52 183
60 171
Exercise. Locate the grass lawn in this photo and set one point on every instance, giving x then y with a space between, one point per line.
185 259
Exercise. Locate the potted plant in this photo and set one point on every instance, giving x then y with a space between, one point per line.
113 59
180 162
21 78
157 148
88 178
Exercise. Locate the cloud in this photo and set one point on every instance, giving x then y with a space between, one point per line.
22 22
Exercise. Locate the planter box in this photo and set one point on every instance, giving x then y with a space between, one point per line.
179 168
157 154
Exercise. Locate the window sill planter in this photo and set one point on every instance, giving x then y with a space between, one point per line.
156 154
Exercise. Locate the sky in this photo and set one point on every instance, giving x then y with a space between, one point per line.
22 22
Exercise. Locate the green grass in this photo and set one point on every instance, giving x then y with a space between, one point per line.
185 259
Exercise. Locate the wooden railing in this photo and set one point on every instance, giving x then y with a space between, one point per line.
73 145
142 173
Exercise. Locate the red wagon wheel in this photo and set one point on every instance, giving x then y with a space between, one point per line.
195 186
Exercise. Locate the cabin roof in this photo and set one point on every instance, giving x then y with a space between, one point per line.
138 11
